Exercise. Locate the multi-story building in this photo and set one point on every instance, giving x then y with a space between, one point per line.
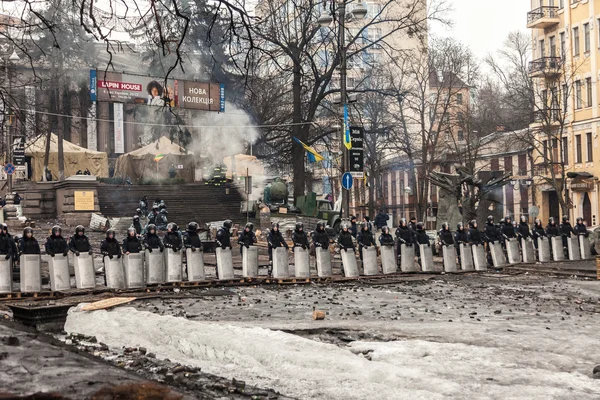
565 70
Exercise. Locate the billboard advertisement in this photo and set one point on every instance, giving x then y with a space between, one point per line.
138 89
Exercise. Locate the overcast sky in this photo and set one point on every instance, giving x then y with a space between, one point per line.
484 24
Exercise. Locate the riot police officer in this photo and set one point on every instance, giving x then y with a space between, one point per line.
299 237
131 243
404 235
320 237
137 225
56 244
247 237
172 239
79 242
110 246
364 238
28 244
151 239
191 239
275 240
223 238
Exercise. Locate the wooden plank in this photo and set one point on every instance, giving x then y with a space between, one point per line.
107 303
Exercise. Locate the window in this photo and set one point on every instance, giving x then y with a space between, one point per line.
586 38
495 164
544 100
394 187
522 165
561 3
590 150
459 98
577 149
565 150
545 151
588 89
575 41
578 101
542 48
563 45
554 154
461 136
508 165
552 46
565 98
385 189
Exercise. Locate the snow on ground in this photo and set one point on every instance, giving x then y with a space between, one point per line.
437 360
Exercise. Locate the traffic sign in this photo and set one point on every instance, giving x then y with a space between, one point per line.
357 163
9 169
347 181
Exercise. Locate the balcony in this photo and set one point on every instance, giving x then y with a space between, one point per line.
543 17
545 67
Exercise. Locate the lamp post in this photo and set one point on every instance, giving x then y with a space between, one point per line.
9 195
325 20
407 192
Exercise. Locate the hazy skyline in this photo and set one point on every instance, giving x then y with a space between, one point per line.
483 25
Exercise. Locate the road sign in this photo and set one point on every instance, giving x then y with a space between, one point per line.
357 163
534 211
347 180
357 135
9 169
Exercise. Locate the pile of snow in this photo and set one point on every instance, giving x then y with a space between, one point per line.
304 368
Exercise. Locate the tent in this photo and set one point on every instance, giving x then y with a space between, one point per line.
244 165
155 160
76 158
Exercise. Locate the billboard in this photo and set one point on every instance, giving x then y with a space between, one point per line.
137 89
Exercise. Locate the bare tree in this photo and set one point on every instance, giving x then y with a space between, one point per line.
290 44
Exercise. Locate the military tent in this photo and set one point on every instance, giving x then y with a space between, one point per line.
76 158
155 160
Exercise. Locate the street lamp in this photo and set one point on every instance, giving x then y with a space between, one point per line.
407 192
325 20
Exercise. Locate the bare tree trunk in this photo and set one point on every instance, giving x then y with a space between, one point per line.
301 132
61 122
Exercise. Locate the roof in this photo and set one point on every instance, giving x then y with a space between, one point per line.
164 145
449 79
38 145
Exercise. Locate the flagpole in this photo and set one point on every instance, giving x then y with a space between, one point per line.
345 209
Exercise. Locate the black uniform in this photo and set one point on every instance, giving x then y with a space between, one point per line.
445 236
422 237
475 236
581 229
80 244
460 237
344 240
552 230
300 239
152 241
161 221
276 240
386 238
191 240
523 230
29 245
132 244
223 238
137 225
172 240
364 239
354 229
110 247
565 231
319 237
246 239
6 245
56 244
152 217
537 232
491 233
508 231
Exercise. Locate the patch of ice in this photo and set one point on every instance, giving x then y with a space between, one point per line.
304 368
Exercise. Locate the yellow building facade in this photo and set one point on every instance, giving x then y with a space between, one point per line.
565 68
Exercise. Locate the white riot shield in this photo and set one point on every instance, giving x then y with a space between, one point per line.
224 263
281 265
466 257
323 262
528 251
498 258
449 255
85 273
573 246
155 266
479 259
558 252
301 263
407 258
115 274
31 273
426 258
388 260
544 249
195 265
585 248
250 262
349 263
370 260
6 275
60 279
173 265
512 250
133 266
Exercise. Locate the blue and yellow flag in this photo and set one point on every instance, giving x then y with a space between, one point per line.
346 127
312 155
